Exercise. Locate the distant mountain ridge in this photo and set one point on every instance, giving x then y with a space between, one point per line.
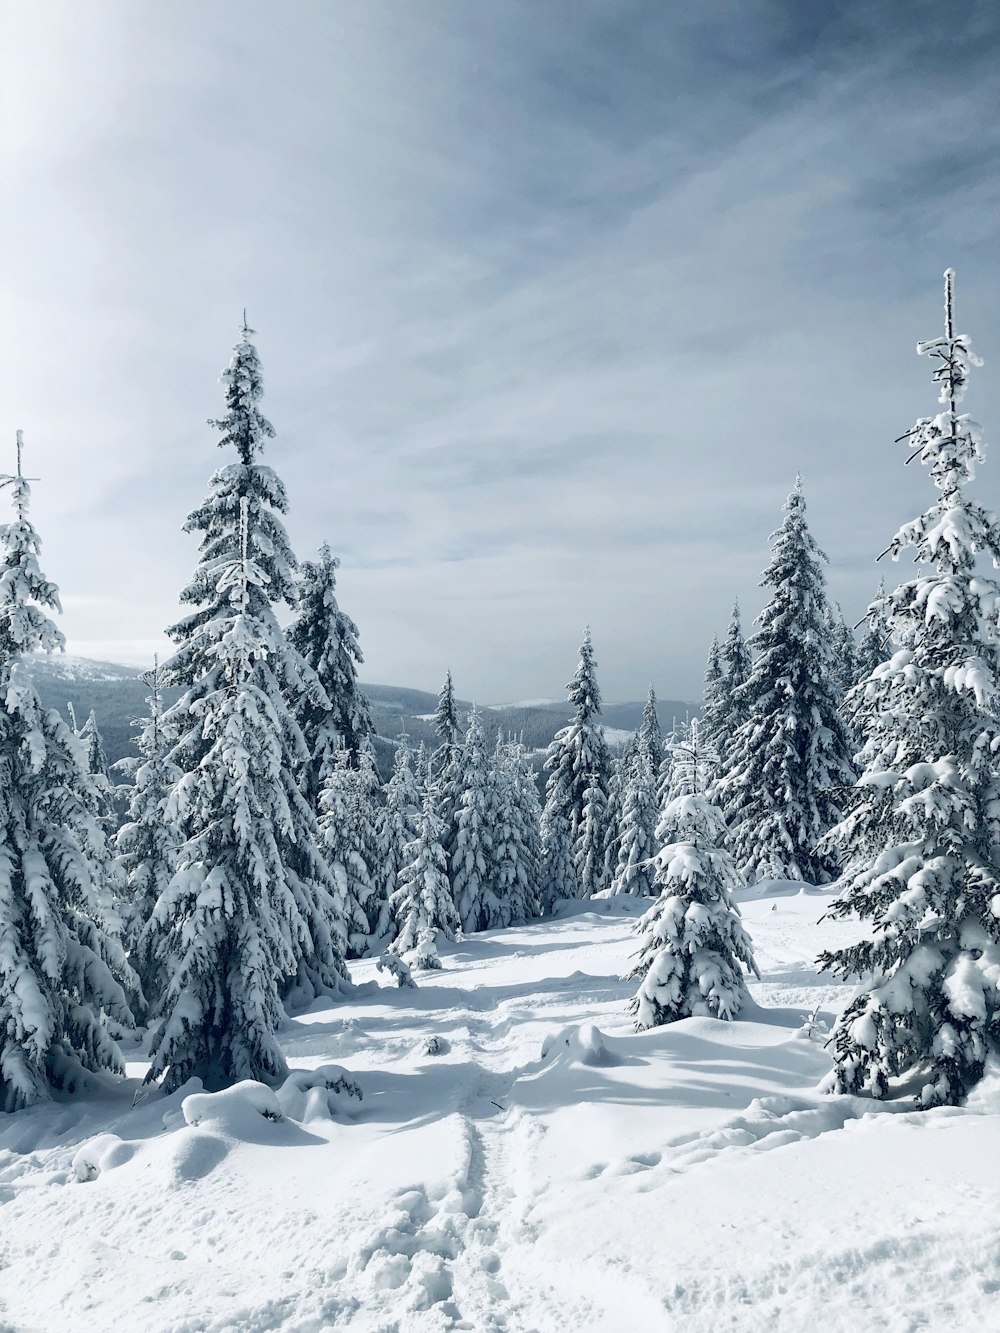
117 696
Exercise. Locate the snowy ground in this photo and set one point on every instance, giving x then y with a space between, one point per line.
689 1178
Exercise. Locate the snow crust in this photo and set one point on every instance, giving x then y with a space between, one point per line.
497 1149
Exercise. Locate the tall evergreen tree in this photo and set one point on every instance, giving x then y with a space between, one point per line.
345 844
516 842
579 769
368 793
790 760
147 844
715 697
874 648
622 767
650 733
100 774
396 827
252 910
737 663
93 746
844 649
558 876
472 852
62 967
326 638
446 723
589 849
634 871
421 903
928 1008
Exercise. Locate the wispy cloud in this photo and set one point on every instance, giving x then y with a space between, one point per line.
553 301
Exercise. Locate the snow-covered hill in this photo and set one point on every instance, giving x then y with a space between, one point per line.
116 694
520 1160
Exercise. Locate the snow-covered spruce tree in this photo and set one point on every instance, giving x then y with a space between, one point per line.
345 844
446 767
252 911
621 771
62 967
422 904
693 945
634 871
395 829
327 639
446 723
472 852
875 646
789 763
714 711
843 648
737 663
928 1008
100 773
558 874
651 733
146 845
516 838
578 764
93 746
589 848
368 794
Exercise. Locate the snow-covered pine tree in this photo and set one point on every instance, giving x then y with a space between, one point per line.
621 771
327 639
472 852
93 746
62 967
928 1008
252 910
505 888
396 827
446 723
519 882
650 733
369 798
843 647
147 843
345 844
714 711
421 903
634 871
589 848
100 773
875 646
558 874
693 945
737 663
446 767
789 763
579 769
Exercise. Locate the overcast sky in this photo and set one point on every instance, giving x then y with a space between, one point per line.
553 298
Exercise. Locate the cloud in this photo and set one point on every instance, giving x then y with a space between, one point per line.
554 302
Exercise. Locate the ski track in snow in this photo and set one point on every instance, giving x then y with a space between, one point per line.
688 1178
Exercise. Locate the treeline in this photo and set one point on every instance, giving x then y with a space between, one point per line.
261 848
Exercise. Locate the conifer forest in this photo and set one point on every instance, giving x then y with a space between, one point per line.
328 1005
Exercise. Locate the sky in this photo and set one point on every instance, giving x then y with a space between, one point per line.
554 299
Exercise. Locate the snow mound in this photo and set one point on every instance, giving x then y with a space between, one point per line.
100 1154
784 888
324 1093
237 1110
583 1045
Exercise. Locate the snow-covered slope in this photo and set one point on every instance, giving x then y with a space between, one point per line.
519 1160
